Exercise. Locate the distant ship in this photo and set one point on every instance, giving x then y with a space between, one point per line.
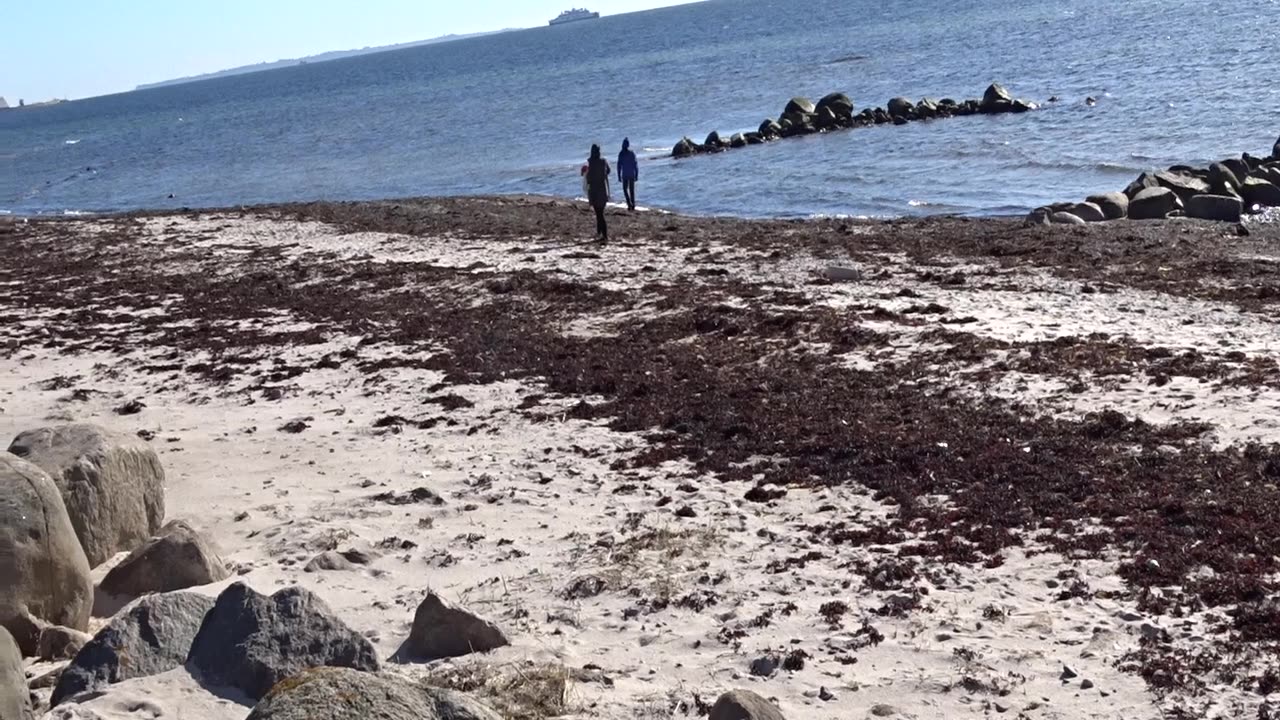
574 15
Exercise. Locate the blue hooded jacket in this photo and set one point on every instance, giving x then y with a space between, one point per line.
628 168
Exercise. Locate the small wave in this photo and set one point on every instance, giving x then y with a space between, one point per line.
71 142
75 213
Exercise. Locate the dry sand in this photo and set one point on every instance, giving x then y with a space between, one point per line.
631 588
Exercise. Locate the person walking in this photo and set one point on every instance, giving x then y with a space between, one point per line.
628 173
598 172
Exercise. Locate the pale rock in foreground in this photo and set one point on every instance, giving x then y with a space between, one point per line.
341 693
443 630
744 705
15 701
112 485
148 637
250 642
60 643
176 559
44 571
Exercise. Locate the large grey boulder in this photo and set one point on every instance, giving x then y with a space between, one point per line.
344 694
176 559
1257 191
744 705
250 642
43 572
800 106
839 104
151 636
1063 217
1087 211
1114 206
1153 204
1222 208
1182 185
443 630
15 701
112 485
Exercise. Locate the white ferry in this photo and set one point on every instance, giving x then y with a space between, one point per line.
574 15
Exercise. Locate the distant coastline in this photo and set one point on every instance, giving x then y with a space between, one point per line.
322 57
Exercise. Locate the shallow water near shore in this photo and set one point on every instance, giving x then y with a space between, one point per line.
1175 81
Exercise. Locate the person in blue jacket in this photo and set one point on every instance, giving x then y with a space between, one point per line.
628 173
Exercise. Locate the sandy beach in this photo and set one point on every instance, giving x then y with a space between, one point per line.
906 469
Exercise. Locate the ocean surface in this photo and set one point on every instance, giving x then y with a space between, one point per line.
1177 81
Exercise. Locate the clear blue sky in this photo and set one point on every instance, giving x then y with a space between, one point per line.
79 48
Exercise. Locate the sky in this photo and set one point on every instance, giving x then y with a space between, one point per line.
80 48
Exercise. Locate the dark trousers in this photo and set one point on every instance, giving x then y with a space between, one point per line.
629 190
602 228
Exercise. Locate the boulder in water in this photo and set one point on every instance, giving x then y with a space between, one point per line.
250 642
150 636
839 104
1275 150
684 148
45 576
1021 106
713 141
901 107
800 106
1114 206
770 129
738 141
826 119
996 99
1215 207
112 484
1153 204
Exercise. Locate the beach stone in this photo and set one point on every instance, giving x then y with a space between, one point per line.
744 705
901 107
996 99
1088 212
342 693
1063 217
60 643
800 106
1039 216
1183 185
112 485
684 148
15 701
443 630
839 104
45 576
1144 181
1220 174
329 561
176 559
1114 206
148 637
250 642
1257 191
1215 207
1153 204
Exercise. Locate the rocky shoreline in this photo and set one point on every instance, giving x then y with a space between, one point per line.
1225 191
837 112
744 469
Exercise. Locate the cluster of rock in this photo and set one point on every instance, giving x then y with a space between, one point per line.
71 493
1225 191
837 112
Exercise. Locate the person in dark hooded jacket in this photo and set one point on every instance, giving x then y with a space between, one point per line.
628 173
598 172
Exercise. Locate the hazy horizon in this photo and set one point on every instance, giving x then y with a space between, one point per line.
65 50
